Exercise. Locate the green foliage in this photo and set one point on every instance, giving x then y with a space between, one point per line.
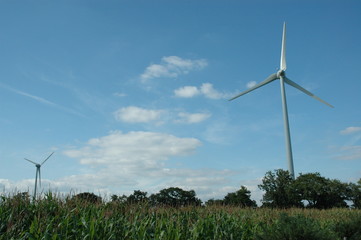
279 191
350 228
218 226
355 194
175 197
137 197
214 202
174 213
87 197
321 192
294 227
240 198
55 217
119 199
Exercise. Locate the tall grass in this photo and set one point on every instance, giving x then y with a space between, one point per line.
54 217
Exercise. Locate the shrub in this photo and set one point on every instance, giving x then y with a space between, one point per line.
350 228
294 227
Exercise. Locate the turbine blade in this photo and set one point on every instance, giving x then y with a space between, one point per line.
271 78
47 158
283 65
30 161
295 85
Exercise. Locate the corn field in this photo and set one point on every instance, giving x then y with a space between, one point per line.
54 218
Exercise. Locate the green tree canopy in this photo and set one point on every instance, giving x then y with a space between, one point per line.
88 197
241 198
175 197
355 194
317 191
119 199
137 197
279 192
320 192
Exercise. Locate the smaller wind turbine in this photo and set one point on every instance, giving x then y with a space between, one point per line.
38 173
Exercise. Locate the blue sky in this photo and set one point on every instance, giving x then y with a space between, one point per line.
133 94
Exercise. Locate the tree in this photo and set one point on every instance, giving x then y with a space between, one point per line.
137 197
240 198
88 197
355 194
278 187
119 199
338 193
214 202
175 197
320 192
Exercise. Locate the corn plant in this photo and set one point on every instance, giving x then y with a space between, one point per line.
56 217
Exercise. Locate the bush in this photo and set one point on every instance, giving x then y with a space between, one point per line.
294 227
349 229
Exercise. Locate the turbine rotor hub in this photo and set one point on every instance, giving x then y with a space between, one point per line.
281 73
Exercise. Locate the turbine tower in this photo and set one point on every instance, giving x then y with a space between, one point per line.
38 174
283 79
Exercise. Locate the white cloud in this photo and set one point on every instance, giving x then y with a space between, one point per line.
251 84
350 130
350 153
192 117
134 114
119 163
186 91
156 71
138 160
172 66
135 149
206 89
184 64
207 183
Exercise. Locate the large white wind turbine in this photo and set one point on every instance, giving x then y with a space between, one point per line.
38 174
283 79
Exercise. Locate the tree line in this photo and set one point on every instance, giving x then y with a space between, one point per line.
310 190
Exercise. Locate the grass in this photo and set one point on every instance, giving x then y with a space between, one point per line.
64 218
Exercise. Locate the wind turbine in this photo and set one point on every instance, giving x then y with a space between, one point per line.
283 79
38 173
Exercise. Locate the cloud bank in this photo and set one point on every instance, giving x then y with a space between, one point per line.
119 163
136 149
141 160
133 114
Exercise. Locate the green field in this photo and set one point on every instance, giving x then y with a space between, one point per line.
66 218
